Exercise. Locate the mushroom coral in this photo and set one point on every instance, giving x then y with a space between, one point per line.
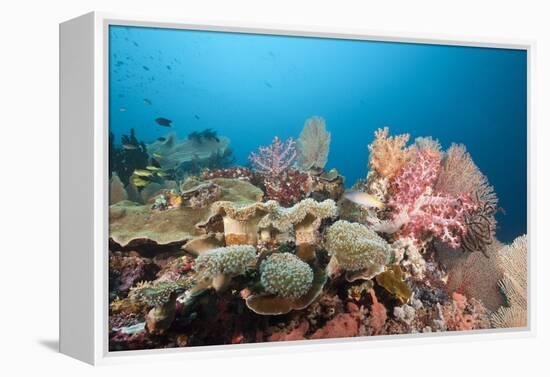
240 222
358 250
304 218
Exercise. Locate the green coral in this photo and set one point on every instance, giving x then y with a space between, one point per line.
159 293
357 247
286 275
231 260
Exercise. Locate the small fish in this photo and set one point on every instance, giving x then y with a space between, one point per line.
162 174
147 101
143 173
152 168
197 117
139 182
266 83
129 147
145 68
364 199
164 122
162 139
168 68
122 109
157 155
135 43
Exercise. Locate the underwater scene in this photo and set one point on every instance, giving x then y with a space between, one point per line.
267 188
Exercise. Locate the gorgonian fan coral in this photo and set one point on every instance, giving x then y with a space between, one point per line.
313 144
387 154
420 212
460 175
275 158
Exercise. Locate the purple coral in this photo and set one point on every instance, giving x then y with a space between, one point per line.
274 159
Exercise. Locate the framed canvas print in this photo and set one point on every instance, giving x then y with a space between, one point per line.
227 187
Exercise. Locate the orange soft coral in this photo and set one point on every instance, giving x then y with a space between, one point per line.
388 153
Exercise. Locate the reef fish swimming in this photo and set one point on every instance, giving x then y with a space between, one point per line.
364 199
164 122
129 147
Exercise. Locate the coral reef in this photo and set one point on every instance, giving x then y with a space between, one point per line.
313 144
214 253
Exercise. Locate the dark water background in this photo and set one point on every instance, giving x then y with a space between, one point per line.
252 87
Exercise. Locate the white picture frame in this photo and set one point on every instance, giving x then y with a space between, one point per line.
84 190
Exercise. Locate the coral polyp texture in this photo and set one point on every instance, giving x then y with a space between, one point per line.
248 209
285 275
356 247
231 260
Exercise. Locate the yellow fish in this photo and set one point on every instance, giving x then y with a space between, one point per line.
143 173
152 168
157 155
364 199
139 182
162 174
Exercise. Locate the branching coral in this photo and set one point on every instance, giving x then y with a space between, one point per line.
388 154
419 211
513 261
275 158
313 144
285 275
357 249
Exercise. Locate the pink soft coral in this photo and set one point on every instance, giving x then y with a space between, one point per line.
274 159
419 211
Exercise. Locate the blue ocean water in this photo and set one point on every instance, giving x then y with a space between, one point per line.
251 88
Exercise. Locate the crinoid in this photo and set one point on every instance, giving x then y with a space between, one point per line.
481 226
